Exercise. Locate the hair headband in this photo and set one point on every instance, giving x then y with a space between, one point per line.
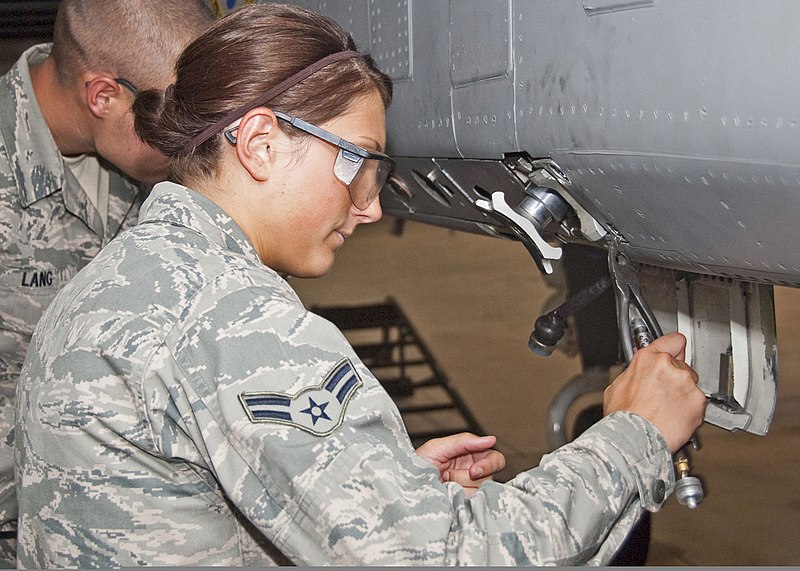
291 81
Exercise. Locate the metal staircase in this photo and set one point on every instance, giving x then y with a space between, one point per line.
388 344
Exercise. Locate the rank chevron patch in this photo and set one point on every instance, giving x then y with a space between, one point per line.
318 409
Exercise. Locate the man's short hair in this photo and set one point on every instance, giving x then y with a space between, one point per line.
138 40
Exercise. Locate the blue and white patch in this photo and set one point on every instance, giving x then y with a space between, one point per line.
318 409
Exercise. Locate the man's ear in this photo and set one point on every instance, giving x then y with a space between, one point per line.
253 142
102 95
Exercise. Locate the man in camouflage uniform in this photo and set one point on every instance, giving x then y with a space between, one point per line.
217 422
68 161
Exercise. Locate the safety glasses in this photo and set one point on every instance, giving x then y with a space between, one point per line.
363 172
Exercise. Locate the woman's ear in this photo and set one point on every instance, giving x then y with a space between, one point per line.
253 142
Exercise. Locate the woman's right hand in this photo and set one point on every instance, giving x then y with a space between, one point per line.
659 386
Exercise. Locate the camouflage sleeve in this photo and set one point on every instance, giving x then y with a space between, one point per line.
311 449
602 481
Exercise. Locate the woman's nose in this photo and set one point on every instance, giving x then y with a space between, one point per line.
371 213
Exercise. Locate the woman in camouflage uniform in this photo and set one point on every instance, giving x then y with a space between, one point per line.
186 409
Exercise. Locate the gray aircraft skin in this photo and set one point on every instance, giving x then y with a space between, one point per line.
669 130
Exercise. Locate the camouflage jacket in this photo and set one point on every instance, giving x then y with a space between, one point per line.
180 406
49 229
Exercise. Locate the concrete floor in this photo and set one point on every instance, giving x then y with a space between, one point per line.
473 300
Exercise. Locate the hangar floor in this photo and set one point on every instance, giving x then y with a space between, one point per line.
474 299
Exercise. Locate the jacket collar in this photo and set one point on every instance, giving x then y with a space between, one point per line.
36 163
178 205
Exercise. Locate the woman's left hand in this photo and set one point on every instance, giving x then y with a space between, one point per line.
464 458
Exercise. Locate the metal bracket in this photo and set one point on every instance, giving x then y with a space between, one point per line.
542 252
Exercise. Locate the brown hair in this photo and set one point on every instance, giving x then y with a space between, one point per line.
135 39
240 57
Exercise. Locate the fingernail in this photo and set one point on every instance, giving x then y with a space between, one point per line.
446 477
477 473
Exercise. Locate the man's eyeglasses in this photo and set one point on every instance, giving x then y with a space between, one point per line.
363 172
124 83
127 85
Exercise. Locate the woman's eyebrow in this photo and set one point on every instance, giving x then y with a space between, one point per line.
376 146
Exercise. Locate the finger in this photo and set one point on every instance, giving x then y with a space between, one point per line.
444 449
462 444
478 443
462 478
492 463
683 366
469 486
672 343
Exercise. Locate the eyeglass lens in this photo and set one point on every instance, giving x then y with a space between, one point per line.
364 177
368 182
